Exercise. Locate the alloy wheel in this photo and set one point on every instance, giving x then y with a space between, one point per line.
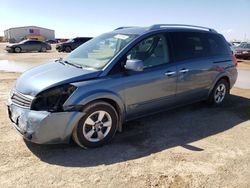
97 126
220 93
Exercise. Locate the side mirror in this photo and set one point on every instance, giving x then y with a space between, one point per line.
134 65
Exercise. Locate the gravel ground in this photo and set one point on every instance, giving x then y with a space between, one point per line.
192 146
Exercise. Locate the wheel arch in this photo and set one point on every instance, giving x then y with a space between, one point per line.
107 96
220 77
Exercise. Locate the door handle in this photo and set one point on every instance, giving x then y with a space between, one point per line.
170 73
183 70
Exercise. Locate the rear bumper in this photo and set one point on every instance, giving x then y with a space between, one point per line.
43 127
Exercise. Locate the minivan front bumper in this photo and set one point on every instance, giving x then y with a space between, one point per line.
43 127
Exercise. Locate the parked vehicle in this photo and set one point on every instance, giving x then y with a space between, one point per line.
236 43
71 44
28 46
120 76
61 40
243 51
51 41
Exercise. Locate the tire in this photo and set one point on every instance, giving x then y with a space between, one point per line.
17 49
219 93
97 126
43 49
68 49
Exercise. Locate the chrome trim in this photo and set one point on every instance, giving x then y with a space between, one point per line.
170 73
183 70
21 100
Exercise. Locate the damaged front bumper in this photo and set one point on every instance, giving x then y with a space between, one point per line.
43 127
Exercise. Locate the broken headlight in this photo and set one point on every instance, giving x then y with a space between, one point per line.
52 100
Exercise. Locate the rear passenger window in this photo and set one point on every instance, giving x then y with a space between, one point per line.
217 45
188 45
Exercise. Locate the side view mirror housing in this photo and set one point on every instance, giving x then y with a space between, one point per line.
134 65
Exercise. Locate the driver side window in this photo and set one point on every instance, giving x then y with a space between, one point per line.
153 51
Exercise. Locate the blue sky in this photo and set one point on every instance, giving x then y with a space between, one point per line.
93 17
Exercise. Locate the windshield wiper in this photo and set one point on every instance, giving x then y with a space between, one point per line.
60 60
64 62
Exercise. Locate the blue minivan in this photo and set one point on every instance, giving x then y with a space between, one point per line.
128 73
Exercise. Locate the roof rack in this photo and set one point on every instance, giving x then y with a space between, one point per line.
159 26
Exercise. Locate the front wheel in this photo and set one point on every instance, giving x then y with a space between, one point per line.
219 93
68 49
17 50
97 126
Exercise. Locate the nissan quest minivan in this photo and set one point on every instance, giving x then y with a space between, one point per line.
128 73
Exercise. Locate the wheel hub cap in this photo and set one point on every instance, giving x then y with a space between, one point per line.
220 93
97 126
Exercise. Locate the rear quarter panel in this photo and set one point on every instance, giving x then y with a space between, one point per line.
223 67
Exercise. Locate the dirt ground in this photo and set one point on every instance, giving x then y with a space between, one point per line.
192 146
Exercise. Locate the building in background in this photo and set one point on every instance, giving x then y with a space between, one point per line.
17 34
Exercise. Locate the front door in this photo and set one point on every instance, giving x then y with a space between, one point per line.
154 88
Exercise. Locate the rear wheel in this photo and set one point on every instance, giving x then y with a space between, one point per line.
219 93
97 126
17 49
43 49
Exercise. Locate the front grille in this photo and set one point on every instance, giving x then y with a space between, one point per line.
21 100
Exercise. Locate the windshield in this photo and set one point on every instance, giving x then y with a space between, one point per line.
96 53
244 45
70 40
23 41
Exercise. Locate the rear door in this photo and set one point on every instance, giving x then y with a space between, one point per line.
37 45
194 65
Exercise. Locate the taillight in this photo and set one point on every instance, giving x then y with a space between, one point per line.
234 59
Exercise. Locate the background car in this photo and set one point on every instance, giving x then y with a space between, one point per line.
51 41
71 44
28 46
236 43
61 40
243 51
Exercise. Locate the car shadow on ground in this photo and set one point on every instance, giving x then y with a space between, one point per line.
179 127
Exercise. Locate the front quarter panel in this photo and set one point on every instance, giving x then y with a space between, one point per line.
102 88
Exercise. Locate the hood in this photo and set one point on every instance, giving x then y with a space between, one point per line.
242 49
50 75
10 45
63 43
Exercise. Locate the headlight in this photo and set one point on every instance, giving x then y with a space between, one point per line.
245 52
52 100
